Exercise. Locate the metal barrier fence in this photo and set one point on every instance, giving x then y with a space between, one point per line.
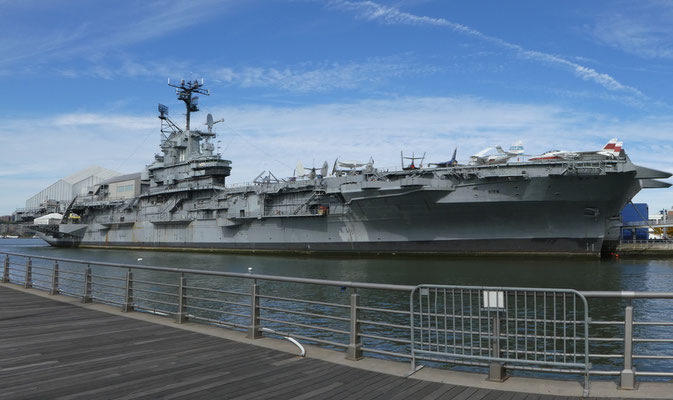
544 330
376 320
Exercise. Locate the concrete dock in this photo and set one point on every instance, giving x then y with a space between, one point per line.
55 347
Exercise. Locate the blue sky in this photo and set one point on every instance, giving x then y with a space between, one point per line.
313 80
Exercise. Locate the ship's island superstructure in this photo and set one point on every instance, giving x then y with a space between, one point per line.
558 206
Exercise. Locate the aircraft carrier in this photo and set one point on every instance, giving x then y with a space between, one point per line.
558 205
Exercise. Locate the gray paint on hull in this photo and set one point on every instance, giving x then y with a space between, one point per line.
499 246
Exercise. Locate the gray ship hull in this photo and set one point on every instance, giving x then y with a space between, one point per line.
505 217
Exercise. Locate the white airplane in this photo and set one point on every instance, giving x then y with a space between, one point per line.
611 150
352 166
485 157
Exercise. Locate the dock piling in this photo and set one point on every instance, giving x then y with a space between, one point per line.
54 280
128 293
628 374
5 274
86 297
354 351
29 274
254 330
181 315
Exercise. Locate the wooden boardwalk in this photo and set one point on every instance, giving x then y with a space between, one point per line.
55 350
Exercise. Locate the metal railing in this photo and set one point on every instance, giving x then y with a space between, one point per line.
376 320
545 330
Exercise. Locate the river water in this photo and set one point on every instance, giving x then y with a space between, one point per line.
641 274
621 274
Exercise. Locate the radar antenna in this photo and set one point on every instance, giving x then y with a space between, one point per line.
185 91
168 127
210 123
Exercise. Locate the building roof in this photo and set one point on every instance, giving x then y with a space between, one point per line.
93 170
121 178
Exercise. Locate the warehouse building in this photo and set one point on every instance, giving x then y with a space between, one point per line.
55 197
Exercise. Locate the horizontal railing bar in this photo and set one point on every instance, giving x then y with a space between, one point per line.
386 353
505 360
112 278
592 322
308 314
217 311
216 290
383 310
348 284
611 339
216 322
503 335
385 338
109 293
155 283
154 301
652 340
653 373
318 328
62 278
652 323
152 310
64 272
94 283
137 289
473 349
316 340
233 303
107 301
368 322
486 317
624 294
651 357
41 268
321 303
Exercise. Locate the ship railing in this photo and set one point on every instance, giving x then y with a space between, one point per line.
630 334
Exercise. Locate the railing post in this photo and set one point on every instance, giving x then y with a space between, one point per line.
254 330
29 274
86 297
54 280
354 351
496 369
628 375
128 293
181 316
5 274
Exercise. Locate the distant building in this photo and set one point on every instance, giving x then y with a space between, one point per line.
120 187
55 197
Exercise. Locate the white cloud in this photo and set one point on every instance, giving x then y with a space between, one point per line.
389 15
104 29
322 76
642 28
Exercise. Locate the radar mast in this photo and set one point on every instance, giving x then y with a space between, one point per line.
185 91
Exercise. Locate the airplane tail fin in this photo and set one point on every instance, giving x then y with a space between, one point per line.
516 148
618 148
610 146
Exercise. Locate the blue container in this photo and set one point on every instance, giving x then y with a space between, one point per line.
635 214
